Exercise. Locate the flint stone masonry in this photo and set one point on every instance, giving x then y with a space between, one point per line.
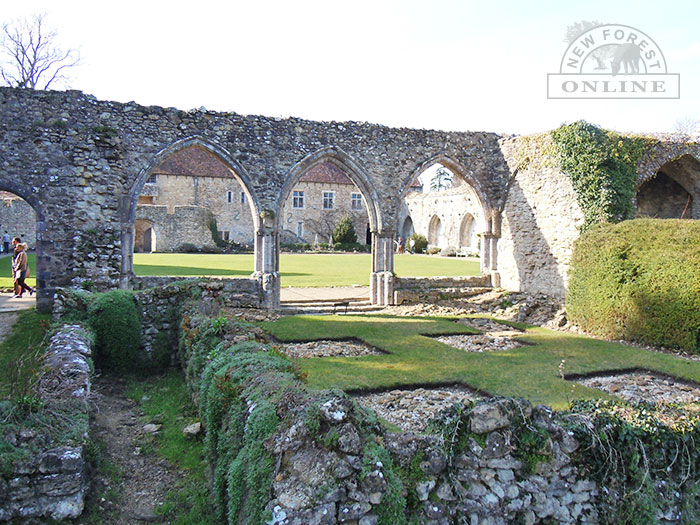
184 225
18 218
429 289
81 164
53 481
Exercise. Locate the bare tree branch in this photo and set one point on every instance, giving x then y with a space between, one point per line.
30 57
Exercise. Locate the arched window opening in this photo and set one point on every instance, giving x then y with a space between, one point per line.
672 192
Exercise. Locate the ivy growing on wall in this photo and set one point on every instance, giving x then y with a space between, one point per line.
602 167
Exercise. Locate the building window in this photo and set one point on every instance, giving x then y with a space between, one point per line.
298 199
224 235
356 201
328 200
152 179
229 196
242 197
300 229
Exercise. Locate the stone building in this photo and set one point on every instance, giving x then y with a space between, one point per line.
321 197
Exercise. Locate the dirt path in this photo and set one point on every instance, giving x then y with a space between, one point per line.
132 481
7 320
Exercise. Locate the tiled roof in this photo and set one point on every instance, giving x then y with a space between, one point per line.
193 162
326 172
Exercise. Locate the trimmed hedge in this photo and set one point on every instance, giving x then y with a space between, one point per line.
638 280
115 320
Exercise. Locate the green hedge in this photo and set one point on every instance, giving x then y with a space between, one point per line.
638 280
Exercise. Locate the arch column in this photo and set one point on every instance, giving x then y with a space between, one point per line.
267 267
381 280
489 248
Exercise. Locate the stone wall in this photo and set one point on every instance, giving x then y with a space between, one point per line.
184 225
540 220
51 480
431 289
17 217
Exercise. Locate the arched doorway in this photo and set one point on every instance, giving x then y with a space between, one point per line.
435 231
144 236
468 239
19 218
672 192
407 228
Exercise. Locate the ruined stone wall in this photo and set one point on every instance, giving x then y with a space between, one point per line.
51 481
540 221
17 217
185 225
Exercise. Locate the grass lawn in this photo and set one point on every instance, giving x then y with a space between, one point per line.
6 271
20 353
301 269
531 371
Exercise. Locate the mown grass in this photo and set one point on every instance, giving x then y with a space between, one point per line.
301 269
532 371
21 353
6 271
166 398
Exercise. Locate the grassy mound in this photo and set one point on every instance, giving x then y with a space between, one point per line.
639 280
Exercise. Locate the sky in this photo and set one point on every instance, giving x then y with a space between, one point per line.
440 64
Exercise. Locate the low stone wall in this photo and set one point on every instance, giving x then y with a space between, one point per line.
430 289
50 481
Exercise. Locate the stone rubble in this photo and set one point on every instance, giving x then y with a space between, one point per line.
648 387
411 410
478 343
327 348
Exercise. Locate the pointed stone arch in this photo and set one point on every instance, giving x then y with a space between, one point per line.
672 190
129 201
345 163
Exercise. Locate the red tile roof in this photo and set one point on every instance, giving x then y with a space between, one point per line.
193 162
326 172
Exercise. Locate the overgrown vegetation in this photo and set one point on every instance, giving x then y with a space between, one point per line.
638 280
645 456
114 318
602 167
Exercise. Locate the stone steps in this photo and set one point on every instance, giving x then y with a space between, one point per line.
328 307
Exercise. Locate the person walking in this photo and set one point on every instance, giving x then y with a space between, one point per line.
6 242
20 268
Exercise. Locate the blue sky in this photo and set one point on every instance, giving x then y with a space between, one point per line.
442 64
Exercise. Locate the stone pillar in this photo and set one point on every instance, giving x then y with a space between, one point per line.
489 249
381 281
267 268
695 207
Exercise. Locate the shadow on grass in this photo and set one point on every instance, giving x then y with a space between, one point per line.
189 271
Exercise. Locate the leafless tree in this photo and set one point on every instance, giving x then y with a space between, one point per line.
30 57
687 125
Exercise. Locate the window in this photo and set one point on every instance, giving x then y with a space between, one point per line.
328 200
229 196
242 197
152 179
224 235
300 229
298 199
356 201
